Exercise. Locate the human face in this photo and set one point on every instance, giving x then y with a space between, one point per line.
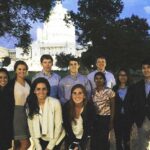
99 81
146 71
101 64
78 96
73 67
21 71
41 91
123 77
47 65
3 79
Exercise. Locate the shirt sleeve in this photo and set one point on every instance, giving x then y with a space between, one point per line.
113 81
88 88
61 92
35 140
111 94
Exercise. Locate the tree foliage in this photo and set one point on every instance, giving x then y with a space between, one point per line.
6 61
124 42
63 60
16 17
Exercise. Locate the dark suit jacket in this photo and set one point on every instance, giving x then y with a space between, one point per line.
87 115
126 104
141 103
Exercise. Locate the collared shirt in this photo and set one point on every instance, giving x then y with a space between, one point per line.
68 82
147 88
53 80
109 78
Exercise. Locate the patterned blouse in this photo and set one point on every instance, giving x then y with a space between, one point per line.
102 100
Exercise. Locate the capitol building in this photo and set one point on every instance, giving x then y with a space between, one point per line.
55 37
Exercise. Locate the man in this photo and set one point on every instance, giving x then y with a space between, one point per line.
53 78
70 80
101 65
141 106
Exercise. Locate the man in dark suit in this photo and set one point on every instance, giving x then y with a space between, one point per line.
142 106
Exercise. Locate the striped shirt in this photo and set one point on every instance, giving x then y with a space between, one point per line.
102 100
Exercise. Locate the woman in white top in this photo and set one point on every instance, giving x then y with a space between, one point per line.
20 88
44 117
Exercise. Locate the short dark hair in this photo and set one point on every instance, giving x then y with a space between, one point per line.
146 61
5 71
100 57
74 59
20 62
46 56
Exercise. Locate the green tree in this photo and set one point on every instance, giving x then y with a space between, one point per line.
122 41
128 43
16 17
63 60
6 61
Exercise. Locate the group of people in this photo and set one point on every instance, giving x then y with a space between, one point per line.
76 112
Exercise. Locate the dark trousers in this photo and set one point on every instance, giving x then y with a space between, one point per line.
100 139
122 129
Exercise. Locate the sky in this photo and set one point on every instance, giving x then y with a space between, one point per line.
136 7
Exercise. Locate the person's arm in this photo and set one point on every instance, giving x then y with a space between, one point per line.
35 140
61 92
112 111
88 89
58 128
113 81
67 125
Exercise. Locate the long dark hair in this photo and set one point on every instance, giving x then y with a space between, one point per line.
32 101
128 77
72 113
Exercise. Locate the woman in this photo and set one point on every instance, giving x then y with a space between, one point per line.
122 121
103 99
20 88
44 117
78 117
6 112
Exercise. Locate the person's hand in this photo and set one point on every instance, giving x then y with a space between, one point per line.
76 148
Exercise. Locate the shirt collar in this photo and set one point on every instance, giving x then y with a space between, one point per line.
49 75
74 77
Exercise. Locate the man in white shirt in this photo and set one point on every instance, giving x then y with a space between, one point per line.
101 65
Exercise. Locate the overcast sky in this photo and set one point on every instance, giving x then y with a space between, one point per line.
137 7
